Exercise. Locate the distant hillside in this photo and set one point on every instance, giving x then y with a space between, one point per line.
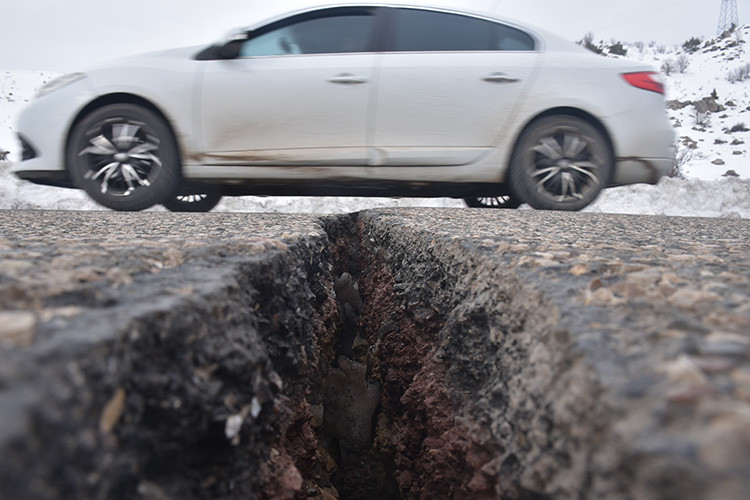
708 93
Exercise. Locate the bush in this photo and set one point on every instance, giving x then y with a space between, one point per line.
617 49
739 74
692 45
739 127
684 155
668 66
682 63
588 42
702 118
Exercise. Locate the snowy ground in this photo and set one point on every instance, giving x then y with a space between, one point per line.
707 145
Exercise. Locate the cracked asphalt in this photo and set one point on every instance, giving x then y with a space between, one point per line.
658 307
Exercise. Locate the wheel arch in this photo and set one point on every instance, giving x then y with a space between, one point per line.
574 112
123 98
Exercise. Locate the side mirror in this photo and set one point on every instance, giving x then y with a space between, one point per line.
230 50
232 46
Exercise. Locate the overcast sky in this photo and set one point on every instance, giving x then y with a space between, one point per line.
67 35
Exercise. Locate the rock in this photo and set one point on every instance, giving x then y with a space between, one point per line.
741 379
727 348
730 173
17 328
676 104
232 428
707 104
346 291
688 298
350 402
151 491
727 441
718 161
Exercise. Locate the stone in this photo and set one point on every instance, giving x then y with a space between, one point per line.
112 412
350 402
17 328
346 291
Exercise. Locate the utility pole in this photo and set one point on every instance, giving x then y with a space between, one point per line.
728 18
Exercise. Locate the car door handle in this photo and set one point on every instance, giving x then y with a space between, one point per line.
348 79
500 78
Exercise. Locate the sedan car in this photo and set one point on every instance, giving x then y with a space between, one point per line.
352 100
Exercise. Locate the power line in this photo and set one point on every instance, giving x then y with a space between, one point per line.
629 12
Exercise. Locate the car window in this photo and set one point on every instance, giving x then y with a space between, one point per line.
331 34
428 31
507 38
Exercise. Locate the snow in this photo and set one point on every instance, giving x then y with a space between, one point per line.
709 150
708 73
17 88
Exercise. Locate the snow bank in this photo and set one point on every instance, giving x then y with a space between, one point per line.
728 197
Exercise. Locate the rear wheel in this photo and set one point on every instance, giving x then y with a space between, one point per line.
199 202
124 157
560 163
505 201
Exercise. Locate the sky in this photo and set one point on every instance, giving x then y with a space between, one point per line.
71 35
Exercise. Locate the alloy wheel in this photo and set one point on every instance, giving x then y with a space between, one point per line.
504 201
124 157
121 156
560 163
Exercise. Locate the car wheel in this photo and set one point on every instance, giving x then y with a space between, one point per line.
202 202
560 163
505 201
124 157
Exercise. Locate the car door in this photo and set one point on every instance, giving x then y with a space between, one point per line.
297 93
448 85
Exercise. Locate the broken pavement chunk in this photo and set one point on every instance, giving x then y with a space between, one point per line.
349 403
346 292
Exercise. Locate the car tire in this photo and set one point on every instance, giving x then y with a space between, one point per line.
504 201
560 163
199 202
125 157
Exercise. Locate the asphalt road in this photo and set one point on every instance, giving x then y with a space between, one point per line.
644 322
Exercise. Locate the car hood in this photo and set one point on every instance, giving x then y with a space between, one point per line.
150 58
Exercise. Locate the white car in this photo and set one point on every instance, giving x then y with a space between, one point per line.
354 100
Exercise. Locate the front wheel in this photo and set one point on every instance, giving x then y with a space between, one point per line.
124 157
560 163
199 202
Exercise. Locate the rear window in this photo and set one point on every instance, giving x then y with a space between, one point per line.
428 31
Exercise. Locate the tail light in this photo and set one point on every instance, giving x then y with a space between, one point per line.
646 80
